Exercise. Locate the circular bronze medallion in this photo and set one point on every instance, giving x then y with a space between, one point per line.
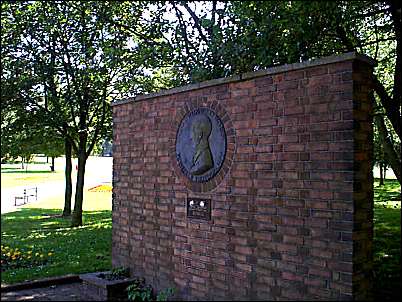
201 144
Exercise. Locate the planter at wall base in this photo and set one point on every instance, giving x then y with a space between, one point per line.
106 290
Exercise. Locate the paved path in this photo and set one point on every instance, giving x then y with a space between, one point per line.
64 292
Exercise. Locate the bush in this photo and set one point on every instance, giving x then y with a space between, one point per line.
139 291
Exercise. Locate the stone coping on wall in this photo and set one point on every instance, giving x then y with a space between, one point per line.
254 74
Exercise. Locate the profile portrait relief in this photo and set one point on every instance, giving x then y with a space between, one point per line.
200 144
200 132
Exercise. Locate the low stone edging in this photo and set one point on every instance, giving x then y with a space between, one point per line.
41 283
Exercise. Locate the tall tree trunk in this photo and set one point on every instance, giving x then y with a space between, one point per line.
52 166
390 153
79 190
381 174
69 184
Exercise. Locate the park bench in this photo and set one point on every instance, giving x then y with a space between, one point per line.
28 192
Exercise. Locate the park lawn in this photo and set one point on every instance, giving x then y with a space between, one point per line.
15 178
93 201
388 195
36 172
387 241
88 248
37 229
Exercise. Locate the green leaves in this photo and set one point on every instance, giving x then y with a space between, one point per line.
69 59
205 22
139 291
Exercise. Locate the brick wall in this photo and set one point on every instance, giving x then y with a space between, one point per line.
292 206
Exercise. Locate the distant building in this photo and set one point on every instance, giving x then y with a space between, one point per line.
107 148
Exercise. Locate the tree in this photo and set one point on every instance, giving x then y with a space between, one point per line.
225 39
70 60
20 137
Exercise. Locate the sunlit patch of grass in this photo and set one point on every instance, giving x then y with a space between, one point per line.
387 195
36 172
93 201
21 173
11 179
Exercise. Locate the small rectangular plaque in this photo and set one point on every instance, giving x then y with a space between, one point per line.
199 208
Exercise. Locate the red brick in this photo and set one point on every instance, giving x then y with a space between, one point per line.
287 206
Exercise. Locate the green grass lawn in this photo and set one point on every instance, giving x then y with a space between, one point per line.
93 201
37 231
47 246
14 178
387 241
30 234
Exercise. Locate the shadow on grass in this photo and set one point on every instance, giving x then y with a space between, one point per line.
34 219
387 240
75 250
30 163
387 254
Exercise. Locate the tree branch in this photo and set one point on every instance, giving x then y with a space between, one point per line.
392 156
395 8
183 28
344 38
100 121
196 21
391 108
